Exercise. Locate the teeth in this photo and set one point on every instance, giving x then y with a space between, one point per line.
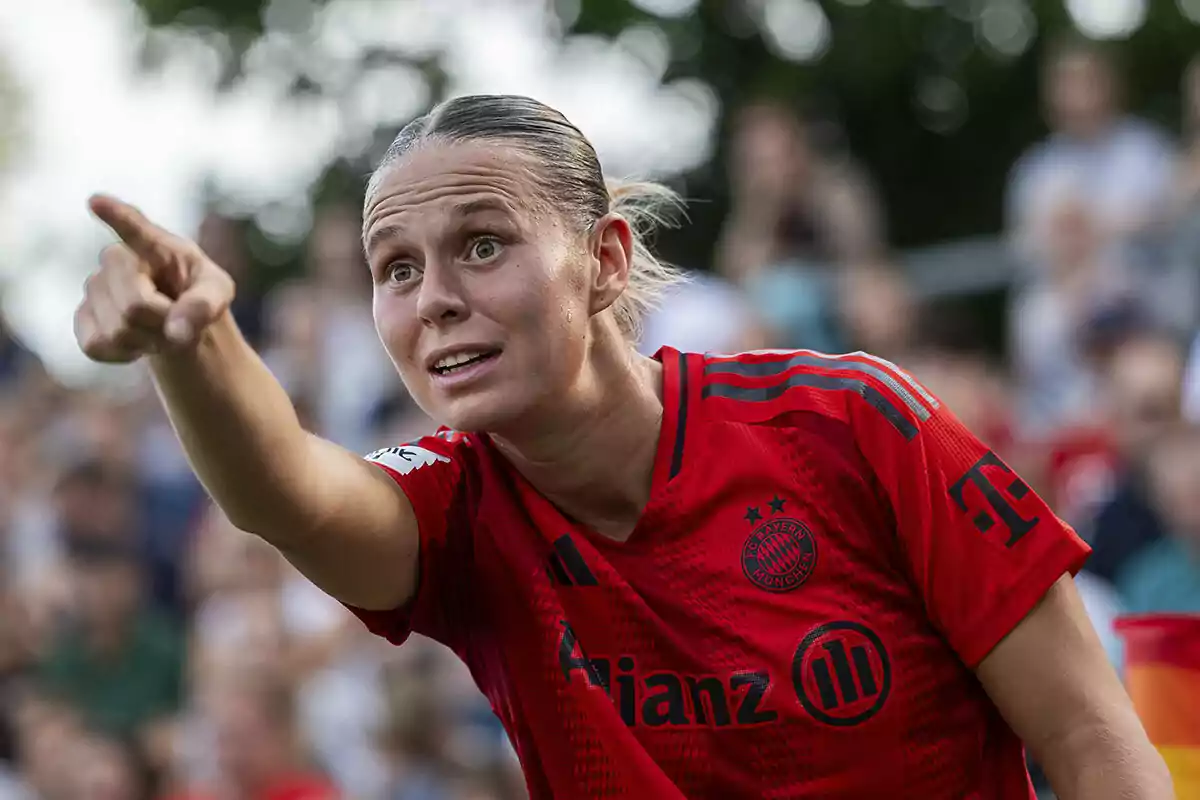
458 358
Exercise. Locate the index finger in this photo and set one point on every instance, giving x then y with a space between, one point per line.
142 235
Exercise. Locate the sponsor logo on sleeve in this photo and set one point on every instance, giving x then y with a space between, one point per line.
406 459
998 487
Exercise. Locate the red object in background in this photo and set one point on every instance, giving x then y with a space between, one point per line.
1162 672
1082 465
299 787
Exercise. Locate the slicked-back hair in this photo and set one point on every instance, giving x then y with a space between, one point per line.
568 175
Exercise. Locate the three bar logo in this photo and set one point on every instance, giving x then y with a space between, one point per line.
842 673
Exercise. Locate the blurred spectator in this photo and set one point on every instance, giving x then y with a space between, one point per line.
294 349
796 215
46 732
1075 286
1142 385
17 362
971 384
1187 183
255 615
1187 233
355 371
115 662
1124 164
259 755
876 310
223 240
1165 575
105 769
703 315
398 419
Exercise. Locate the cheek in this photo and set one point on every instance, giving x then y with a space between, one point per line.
395 327
533 299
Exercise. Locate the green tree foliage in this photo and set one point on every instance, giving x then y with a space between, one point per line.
916 89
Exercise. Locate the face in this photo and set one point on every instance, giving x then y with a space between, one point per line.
1175 476
485 300
1080 94
104 772
1145 379
109 592
336 250
769 148
251 747
1191 96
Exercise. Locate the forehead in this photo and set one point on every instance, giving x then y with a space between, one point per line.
445 180
1085 66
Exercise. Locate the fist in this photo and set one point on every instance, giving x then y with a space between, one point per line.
153 291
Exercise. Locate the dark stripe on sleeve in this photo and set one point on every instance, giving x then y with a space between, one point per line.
763 394
764 369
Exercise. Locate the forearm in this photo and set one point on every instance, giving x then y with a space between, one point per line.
239 430
1105 764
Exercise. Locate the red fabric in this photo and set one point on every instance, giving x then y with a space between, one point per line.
297 787
795 615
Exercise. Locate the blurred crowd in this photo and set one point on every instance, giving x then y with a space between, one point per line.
150 650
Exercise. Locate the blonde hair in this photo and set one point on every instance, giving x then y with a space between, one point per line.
647 207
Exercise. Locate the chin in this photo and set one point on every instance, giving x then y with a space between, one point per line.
482 412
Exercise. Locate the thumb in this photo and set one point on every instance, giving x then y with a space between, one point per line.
198 306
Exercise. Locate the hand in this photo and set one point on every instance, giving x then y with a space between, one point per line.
154 292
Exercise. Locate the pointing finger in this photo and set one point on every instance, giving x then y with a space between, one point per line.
143 236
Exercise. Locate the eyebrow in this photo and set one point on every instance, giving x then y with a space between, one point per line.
468 208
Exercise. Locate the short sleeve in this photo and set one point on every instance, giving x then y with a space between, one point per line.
434 473
981 546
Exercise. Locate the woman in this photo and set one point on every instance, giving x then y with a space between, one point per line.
778 574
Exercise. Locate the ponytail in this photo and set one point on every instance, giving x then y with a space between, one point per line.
647 207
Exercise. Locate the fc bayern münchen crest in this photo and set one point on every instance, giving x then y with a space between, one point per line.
779 554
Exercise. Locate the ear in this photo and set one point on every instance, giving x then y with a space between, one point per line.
611 247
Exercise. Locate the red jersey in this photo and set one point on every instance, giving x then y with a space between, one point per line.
826 554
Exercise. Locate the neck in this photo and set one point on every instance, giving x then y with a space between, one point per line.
594 456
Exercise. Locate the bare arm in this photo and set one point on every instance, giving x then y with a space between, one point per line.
338 519
341 521
1050 679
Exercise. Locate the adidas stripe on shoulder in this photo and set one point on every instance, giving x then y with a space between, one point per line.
772 374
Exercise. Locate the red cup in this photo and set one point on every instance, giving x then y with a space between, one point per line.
1162 674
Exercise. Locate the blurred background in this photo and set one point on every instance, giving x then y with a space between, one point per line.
1003 196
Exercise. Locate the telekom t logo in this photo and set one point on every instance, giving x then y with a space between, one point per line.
980 475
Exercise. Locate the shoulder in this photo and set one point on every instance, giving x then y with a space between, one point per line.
779 386
446 447
1139 132
1032 161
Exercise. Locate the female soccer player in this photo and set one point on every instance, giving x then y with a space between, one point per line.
777 574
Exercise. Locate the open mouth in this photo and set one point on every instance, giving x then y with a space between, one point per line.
452 365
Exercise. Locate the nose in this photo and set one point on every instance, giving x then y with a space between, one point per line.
440 299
